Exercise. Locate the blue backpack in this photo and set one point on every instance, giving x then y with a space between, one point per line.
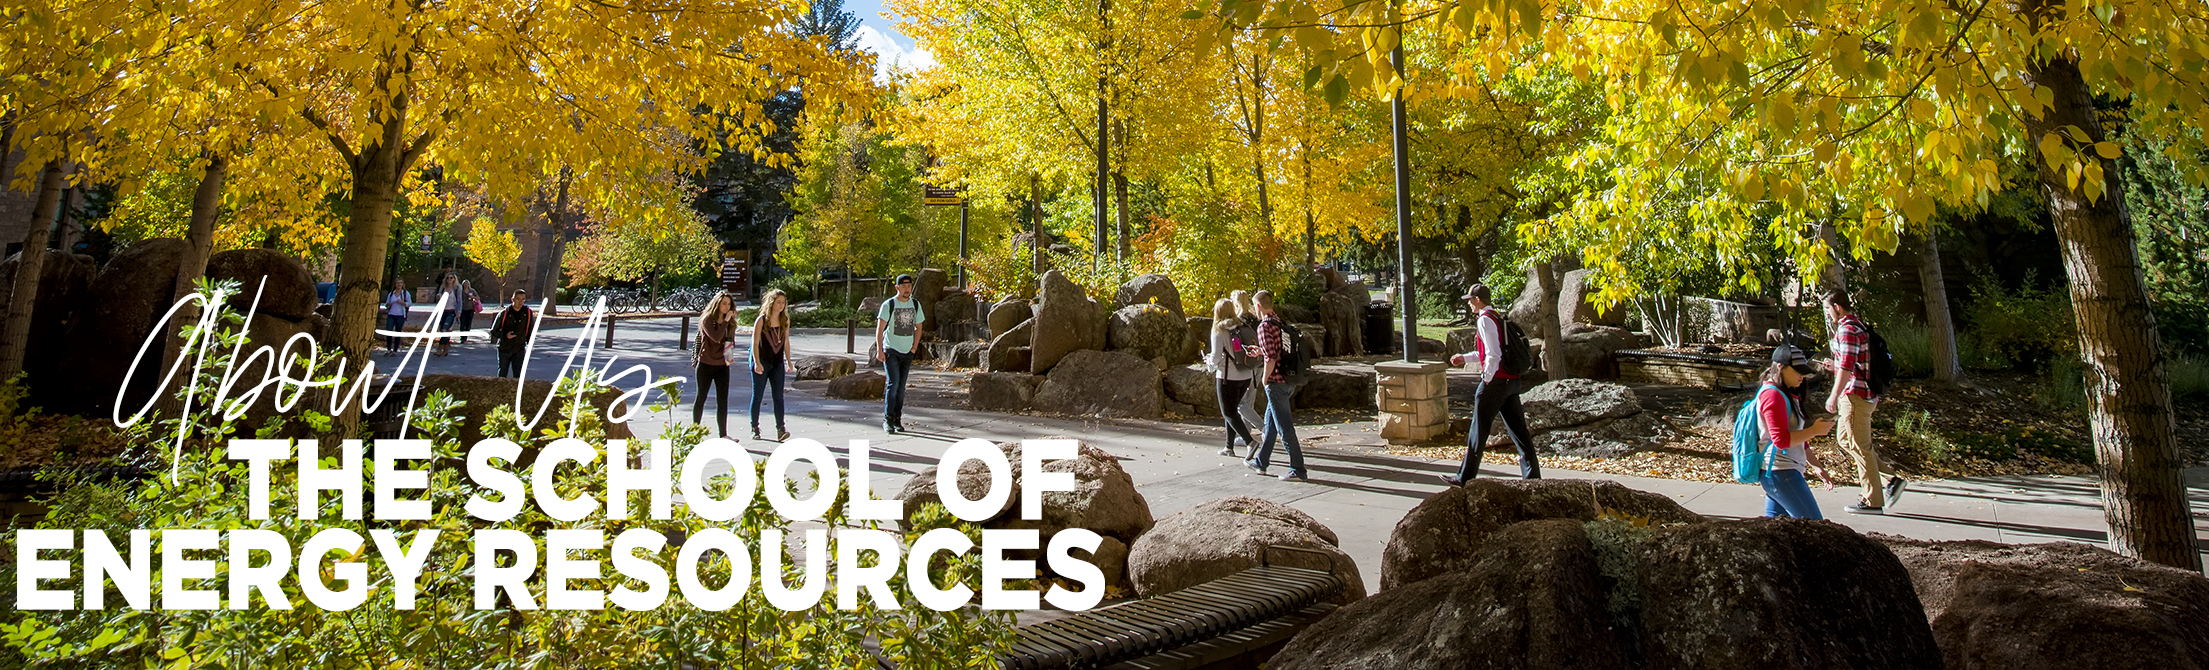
1751 455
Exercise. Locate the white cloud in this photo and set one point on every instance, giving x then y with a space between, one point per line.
890 55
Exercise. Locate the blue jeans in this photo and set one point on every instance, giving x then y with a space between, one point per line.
896 365
393 323
762 381
1787 494
1280 421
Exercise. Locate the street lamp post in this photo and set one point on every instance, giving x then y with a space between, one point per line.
1397 126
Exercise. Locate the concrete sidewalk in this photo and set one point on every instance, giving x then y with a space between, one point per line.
1357 488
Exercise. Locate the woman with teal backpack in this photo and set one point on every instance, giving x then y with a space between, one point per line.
1786 492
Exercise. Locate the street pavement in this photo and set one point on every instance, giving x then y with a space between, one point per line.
1357 488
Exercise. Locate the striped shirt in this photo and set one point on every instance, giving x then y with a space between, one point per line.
1851 352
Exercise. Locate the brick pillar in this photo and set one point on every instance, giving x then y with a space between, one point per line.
1414 400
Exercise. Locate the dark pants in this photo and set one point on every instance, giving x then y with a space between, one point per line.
467 322
896 365
510 360
712 377
1231 399
1280 421
1499 395
761 381
394 323
1787 494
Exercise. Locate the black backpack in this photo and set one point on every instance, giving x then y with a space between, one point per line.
1882 362
1517 356
1296 358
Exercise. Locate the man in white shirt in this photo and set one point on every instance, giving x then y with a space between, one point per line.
1499 392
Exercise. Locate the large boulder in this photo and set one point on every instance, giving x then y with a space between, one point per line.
1778 593
2056 605
1102 383
862 385
1066 322
1573 402
1002 391
1200 338
823 367
1147 332
1343 316
1337 386
928 287
480 394
64 280
1527 308
1150 289
1575 302
1444 533
115 315
1460 341
952 318
969 354
288 291
1227 536
1008 313
870 306
1103 500
1007 359
1194 386
1533 598
1603 439
1588 350
1296 313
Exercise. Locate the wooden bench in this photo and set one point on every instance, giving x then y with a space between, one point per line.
1201 625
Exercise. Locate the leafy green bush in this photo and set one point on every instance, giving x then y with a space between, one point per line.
830 316
799 288
2190 378
444 629
2022 329
2063 387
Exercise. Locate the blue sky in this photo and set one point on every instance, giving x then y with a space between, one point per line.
881 36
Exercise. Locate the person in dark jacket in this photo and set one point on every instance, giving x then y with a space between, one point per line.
515 325
716 331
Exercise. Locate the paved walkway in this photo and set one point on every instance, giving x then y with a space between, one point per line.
1357 488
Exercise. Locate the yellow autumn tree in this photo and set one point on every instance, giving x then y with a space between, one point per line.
492 248
1867 115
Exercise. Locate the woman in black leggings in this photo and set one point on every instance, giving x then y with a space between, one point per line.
770 356
716 330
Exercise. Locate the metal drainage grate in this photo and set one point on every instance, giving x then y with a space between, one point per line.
1135 629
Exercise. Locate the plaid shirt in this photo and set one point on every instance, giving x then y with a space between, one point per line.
1269 346
1851 346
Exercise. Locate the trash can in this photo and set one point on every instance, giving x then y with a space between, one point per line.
1380 328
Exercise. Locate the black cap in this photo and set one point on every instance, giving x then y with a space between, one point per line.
1792 357
904 279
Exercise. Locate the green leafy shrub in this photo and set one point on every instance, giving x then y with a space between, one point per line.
2021 329
2190 378
799 288
830 316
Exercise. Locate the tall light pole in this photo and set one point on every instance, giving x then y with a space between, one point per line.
1398 128
1103 183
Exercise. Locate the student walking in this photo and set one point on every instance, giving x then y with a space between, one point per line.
450 297
716 334
1247 314
896 325
511 331
1498 393
770 356
396 304
1852 399
1229 359
1786 492
1274 345
470 305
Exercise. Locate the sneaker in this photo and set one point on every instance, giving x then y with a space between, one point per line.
888 427
1252 463
782 435
1229 451
1451 480
1294 476
1861 508
1895 487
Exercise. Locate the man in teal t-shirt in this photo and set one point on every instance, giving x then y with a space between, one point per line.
896 326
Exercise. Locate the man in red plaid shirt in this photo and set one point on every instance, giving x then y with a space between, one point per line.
1852 399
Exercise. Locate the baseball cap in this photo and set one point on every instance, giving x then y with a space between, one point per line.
904 279
1475 291
1792 357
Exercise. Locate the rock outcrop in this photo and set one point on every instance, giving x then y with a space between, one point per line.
1068 321
1225 536
1102 383
862 385
2056 605
1444 533
1147 331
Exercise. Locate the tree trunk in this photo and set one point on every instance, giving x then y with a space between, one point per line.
1553 354
1035 223
28 266
550 252
376 171
1120 209
2127 388
1940 326
199 238
1311 244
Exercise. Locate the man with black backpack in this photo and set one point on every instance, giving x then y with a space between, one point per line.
1858 379
1286 359
1502 356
